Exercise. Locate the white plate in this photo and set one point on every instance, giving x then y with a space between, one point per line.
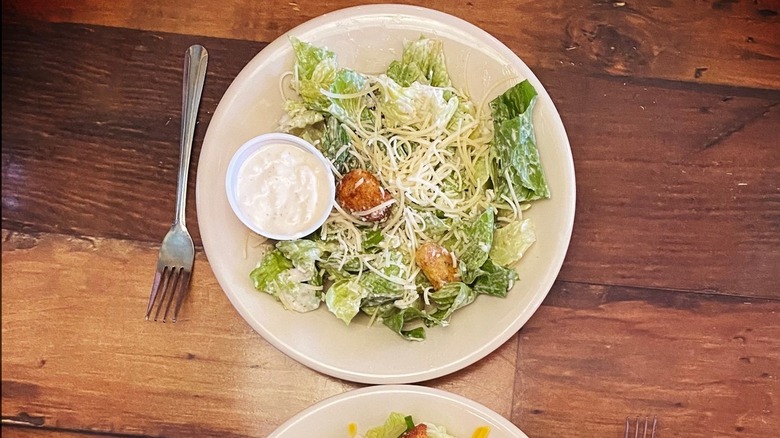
367 38
369 407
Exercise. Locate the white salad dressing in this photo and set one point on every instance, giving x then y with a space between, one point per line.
283 189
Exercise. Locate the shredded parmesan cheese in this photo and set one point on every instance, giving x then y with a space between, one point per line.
430 167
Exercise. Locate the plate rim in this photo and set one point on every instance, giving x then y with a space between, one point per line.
403 389
501 336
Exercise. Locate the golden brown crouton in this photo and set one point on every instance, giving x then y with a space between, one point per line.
419 431
359 191
438 264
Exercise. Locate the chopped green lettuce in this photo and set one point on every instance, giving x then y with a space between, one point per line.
302 253
298 117
291 289
435 226
379 289
451 297
277 276
481 172
417 105
464 114
422 61
475 249
372 239
343 298
315 69
494 279
516 165
336 269
348 109
394 426
269 268
511 241
396 319
333 145
394 423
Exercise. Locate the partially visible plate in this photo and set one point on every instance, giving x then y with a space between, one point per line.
367 38
369 407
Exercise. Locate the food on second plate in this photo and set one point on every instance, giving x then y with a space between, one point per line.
360 193
418 164
398 425
419 431
439 265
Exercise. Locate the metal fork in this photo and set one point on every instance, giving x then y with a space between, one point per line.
637 426
177 253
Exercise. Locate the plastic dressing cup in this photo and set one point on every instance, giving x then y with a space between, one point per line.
280 186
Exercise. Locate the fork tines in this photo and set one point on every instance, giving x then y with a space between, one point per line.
638 425
172 281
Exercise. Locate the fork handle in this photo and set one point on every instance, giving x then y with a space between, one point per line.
195 62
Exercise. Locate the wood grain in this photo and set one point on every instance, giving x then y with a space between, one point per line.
675 189
114 117
707 366
676 183
703 363
667 303
30 432
77 353
714 41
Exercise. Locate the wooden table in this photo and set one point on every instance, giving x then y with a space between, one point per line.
667 303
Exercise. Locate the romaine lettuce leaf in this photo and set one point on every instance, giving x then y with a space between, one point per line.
404 74
516 164
435 226
394 426
348 110
332 147
344 297
291 289
303 254
315 69
481 171
372 239
451 297
380 290
269 268
475 249
422 61
417 105
397 318
511 241
277 276
464 114
494 279
513 102
298 117
333 265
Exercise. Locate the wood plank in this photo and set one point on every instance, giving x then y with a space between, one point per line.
32 432
707 366
676 183
77 353
115 116
675 189
715 41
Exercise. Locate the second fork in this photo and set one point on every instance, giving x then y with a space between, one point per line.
638 425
